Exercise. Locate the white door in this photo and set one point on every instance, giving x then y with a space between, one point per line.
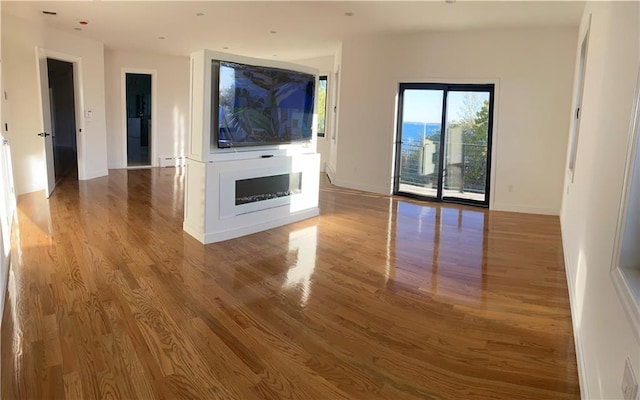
46 131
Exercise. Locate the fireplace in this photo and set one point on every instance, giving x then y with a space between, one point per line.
251 190
236 197
267 187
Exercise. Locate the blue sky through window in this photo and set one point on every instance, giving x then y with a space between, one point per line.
426 105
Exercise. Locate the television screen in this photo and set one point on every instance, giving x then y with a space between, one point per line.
262 106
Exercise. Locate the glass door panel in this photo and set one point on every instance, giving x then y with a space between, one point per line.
450 164
466 145
418 153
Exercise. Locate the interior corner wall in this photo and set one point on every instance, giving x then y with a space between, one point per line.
325 66
604 335
172 108
20 39
534 71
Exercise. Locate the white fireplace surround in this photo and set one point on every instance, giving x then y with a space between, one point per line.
211 214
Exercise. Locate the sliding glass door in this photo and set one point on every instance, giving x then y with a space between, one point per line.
443 150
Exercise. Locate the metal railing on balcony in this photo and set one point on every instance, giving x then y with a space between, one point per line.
465 168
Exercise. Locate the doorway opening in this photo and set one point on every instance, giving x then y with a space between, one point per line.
138 112
63 119
443 150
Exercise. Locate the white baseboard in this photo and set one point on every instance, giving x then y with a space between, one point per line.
93 174
525 209
328 169
362 186
207 238
193 232
625 294
117 166
577 338
172 161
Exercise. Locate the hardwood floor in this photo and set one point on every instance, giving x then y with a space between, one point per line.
378 298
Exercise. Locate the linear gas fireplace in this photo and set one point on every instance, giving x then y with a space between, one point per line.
251 190
267 187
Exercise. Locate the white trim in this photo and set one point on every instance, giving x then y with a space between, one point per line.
631 307
336 110
96 174
577 338
361 186
78 99
198 234
207 238
331 173
154 111
620 283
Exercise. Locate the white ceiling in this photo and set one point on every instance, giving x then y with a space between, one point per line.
303 28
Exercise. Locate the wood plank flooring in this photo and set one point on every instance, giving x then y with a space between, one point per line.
377 298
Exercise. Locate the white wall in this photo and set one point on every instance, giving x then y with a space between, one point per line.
590 208
325 66
331 165
20 38
5 208
533 70
172 108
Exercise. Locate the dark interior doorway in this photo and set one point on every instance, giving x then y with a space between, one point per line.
63 119
138 119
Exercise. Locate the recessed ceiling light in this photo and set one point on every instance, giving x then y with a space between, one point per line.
77 29
349 14
273 32
161 37
199 14
49 12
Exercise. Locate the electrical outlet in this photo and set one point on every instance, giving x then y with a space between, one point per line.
629 383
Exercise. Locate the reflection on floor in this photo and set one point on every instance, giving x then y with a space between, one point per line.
65 163
377 298
433 192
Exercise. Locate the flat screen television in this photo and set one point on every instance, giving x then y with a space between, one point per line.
259 106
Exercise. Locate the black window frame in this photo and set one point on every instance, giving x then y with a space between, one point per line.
326 105
446 88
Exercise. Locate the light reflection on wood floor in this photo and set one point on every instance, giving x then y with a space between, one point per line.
378 298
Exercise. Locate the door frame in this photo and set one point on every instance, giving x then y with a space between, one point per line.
78 99
578 94
153 158
492 145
